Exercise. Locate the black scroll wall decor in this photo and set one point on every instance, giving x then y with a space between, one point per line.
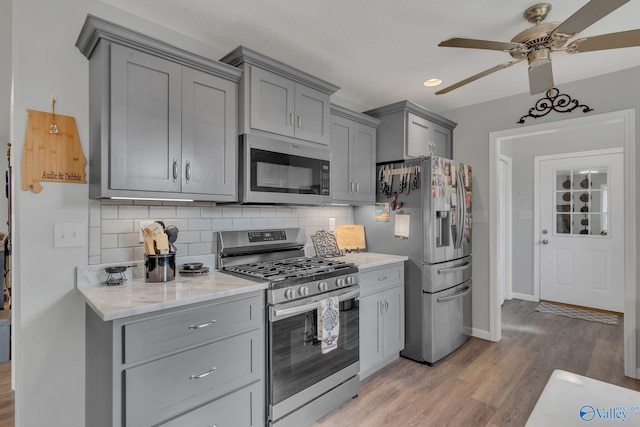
554 101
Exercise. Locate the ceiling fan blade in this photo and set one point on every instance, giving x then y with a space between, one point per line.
477 76
481 44
587 15
540 77
629 38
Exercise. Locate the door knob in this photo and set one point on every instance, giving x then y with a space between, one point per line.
545 241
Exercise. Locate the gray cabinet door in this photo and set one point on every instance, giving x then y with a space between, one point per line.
272 102
393 325
443 141
341 137
145 121
208 134
370 332
419 132
363 160
311 115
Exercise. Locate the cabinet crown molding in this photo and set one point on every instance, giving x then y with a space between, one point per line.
243 55
95 29
365 119
412 108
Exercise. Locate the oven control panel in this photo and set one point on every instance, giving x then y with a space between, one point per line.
267 236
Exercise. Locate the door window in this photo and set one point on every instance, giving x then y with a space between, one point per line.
582 205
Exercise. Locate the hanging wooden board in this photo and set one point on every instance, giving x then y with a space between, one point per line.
51 157
350 237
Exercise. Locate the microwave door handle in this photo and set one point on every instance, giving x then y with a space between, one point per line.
282 313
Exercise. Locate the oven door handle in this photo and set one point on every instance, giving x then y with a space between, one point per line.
276 314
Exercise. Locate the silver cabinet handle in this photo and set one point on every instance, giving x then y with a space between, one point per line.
357 187
188 171
350 186
175 170
386 305
202 325
202 375
299 121
290 119
545 242
381 305
382 279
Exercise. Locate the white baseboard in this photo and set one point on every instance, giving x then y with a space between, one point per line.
525 297
480 333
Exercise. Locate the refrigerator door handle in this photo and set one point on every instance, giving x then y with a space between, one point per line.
464 292
461 211
462 267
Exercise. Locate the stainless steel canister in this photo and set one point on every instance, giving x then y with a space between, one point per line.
159 268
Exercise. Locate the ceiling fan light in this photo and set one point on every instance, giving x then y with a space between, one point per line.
539 57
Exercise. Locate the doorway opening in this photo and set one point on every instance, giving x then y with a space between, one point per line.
617 126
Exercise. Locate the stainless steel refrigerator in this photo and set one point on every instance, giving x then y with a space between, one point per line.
423 211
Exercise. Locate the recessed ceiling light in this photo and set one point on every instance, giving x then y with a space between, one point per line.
432 82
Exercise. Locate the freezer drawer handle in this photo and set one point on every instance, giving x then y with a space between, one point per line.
464 292
462 267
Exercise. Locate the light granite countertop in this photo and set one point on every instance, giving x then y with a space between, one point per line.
366 260
136 296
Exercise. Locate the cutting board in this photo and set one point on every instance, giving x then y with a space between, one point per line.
50 157
350 237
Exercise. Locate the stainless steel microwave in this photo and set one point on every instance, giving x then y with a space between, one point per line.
277 171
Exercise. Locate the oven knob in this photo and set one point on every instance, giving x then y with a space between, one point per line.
303 291
289 294
323 286
340 282
350 280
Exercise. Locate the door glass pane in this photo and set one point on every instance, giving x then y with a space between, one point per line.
581 204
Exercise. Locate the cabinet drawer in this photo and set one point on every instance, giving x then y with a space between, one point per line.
174 332
244 407
158 390
372 281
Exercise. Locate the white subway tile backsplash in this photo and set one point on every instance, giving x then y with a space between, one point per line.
133 212
115 237
111 226
162 212
94 213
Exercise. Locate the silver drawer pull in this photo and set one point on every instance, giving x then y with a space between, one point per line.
462 267
381 279
202 325
202 375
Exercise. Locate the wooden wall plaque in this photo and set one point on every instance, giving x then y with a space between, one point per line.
52 151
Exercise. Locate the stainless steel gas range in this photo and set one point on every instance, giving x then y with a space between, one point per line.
306 377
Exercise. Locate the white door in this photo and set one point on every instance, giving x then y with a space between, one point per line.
581 230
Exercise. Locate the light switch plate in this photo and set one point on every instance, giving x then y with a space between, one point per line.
525 215
332 224
69 235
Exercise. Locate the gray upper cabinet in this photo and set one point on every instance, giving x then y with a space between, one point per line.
279 99
409 131
162 121
353 157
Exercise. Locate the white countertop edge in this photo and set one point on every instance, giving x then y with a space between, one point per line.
367 260
114 313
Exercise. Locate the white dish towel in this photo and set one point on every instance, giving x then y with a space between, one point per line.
329 323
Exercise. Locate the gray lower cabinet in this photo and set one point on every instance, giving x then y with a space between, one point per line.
279 99
163 122
199 364
409 131
353 157
381 317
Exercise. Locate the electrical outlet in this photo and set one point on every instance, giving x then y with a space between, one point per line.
143 223
332 224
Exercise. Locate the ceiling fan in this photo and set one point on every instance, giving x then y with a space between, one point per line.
538 42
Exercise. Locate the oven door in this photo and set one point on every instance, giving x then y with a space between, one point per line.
276 171
298 370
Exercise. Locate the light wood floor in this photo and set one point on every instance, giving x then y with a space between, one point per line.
482 384
488 384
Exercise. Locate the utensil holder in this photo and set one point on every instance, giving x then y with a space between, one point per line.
159 268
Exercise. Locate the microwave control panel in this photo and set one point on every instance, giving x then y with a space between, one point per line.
325 183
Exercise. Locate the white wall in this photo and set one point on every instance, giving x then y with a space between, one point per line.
611 92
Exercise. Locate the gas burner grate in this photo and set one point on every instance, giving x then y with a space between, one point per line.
287 268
